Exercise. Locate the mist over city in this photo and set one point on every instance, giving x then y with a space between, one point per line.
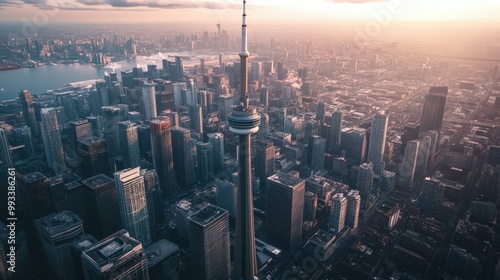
224 139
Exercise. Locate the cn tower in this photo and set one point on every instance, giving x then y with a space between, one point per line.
244 121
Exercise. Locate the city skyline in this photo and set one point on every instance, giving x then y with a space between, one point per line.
352 143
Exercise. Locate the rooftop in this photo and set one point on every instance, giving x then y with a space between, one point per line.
58 222
285 179
112 251
159 251
207 214
33 177
97 181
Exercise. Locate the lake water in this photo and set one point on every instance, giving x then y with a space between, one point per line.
39 80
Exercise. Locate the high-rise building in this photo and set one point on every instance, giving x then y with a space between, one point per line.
5 155
34 192
183 158
217 141
96 124
377 142
132 201
226 196
335 130
149 100
316 153
434 142
79 129
179 68
354 144
352 211
204 156
225 105
117 256
285 209
408 166
29 112
461 263
493 155
422 156
111 118
23 136
365 179
163 260
152 189
129 142
209 243
56 233
92 151
52 142
77 248
433 111
432 194
264 125
264 161
161 144
320 113
196 117
338 213
264 97
102 205
310 204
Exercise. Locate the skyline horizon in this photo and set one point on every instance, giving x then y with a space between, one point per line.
79 11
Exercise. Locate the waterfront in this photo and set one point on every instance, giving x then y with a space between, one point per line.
40 79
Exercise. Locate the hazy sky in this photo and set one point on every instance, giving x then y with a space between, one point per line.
42 12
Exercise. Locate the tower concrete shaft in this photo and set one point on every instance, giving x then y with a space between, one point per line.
244 121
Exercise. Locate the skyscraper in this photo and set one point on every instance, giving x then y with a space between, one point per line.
365 179
407 167
111 118
129 142
22 136
377 142
285 204
422 156
226 196
433 111
310 204
204 156
434 141
117 256
196 116
338 213
352 211
432 194
320 113
335 130
316 152
225 105
151 187
161 144
5 156
244 121
56 233
354 144
102 205
217 141
264 162
149 100
183 158
163 260
132 201
52 143
209 243
92 151
29 111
